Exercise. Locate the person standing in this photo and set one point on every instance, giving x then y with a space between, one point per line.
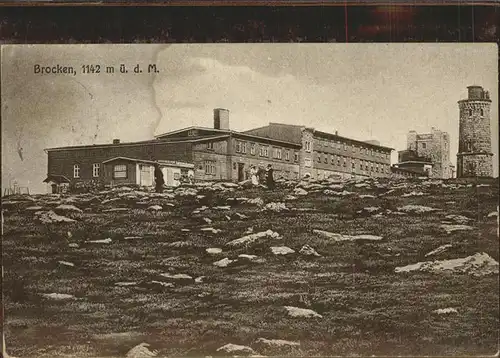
253 175
159 181
269 177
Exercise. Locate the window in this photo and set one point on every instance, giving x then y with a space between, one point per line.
278 153
96 169
191 133
209 167
210 145
266 152
296 157
424 145
325 159
287 155
238 146
333 159
177 176
338 161
345 162
76 171
319 158
252 148
470 112
308 162
353 166
261 151
308 146
345 146
120 171
482 112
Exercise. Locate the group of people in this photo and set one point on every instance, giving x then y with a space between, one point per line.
258 175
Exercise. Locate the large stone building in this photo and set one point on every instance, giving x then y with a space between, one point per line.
474 157
427 154
220 153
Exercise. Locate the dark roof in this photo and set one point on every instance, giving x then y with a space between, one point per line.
331 135
160 162
56 178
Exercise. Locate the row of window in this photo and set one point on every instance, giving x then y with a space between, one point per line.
96 170
276 153
364 165
341 145
481 111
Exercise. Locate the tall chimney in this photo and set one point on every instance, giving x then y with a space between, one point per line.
221 118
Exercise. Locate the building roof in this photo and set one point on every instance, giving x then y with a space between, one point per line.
227 132
160 162
151 141
56 178
331 135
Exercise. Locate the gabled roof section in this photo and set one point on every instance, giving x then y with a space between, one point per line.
56 178
187 129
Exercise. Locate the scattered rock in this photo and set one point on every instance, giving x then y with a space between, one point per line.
73 245
185 230
256 201
179 244
132 237
249 257
103 241
493 214
282 250
249 239
235 349
371 209
33 208
367 196
155 208
141 351
178 276
225 207
70 208
452 228
213 250
211 229
241 216
199 279
413 193
417 209
290 198
208 221
458 218
115 210
445 310
58 296
479 264
277 342
223 263
301 312
276 207
439 250
300 192
126 283
66 263
340 237
50 217
308 251
164 284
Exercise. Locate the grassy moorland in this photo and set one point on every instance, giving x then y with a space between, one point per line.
119 297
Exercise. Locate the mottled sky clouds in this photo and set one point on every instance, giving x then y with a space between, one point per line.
364 91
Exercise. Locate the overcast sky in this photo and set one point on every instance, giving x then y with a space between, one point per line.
364 91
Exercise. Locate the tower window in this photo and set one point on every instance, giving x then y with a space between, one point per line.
470 112
424 145
482 112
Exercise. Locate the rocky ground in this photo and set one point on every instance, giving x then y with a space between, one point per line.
380 267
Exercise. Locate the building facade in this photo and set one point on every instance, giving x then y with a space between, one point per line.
474 157
428 154
220 153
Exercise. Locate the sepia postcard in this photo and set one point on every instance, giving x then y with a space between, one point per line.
207 200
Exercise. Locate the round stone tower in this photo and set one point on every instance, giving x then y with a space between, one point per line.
474 157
